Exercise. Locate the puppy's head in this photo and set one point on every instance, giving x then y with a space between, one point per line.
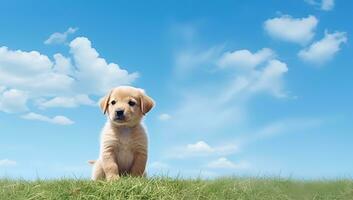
125 105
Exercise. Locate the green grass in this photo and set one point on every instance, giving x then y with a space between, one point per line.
169 188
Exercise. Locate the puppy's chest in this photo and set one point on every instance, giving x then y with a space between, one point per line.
124 143
124 151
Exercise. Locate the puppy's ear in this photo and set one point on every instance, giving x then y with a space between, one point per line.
104 102
146 103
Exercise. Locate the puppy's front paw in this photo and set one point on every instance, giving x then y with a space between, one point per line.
112 177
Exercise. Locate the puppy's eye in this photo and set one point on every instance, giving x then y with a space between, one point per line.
131 103
113 102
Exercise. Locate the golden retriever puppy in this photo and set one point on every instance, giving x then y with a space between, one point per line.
123 145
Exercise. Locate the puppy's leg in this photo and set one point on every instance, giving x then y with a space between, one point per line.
97 171
139 164
110 167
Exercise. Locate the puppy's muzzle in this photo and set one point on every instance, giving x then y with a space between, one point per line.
119 115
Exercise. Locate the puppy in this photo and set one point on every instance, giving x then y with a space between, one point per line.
123 145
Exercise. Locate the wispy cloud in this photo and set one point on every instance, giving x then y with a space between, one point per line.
244 59
190 60
164 117
325 5
7 163
324 50
268 79
221 88
230 94
59 38
66 102
280 127
60 120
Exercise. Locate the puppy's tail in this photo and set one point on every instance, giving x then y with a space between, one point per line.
91 162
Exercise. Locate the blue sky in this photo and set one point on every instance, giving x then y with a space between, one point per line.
241 87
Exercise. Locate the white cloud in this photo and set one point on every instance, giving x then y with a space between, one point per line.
66 102
63 65
60 120
64 82
323 50
12 101
20 59
325 5
94 74
201 148
164 117
31 72
224 163
58 38
245 59
7 163
287 28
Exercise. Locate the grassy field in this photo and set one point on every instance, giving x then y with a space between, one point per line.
168 188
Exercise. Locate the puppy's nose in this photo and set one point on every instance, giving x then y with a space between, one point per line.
120 113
